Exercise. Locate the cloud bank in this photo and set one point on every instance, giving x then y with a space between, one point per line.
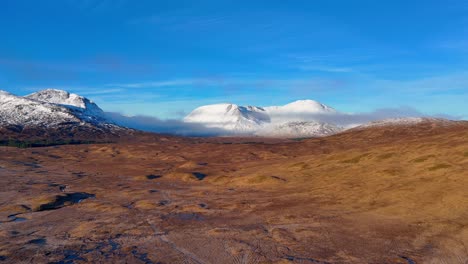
168 126
345 120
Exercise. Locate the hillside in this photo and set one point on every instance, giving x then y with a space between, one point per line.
379 194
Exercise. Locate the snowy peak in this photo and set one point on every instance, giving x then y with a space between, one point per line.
301 106
229 116
292 120
4 93
309 106
16 110
49 108
66 99
215 112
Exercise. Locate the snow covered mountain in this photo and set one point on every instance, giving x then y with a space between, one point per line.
303 118
300 107
51 109
292 120
231 117
79 104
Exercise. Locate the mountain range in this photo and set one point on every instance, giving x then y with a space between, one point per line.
58 113
291 120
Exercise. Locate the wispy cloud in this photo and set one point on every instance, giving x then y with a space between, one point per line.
338 62
163 83
98 91
60 70
182 20
324 68
86 91
255 24
96 5
457 45
356 61
457 81
238 82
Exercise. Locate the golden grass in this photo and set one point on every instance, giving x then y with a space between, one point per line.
439 166
355 195
356 159
145 204
423 158
386 156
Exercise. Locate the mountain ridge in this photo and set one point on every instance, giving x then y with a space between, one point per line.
53 115
58 113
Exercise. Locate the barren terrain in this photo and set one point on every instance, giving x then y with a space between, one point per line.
375 195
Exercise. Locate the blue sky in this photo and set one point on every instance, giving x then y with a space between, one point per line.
164 58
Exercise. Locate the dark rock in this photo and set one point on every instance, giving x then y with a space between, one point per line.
64 200
38 241
200 176
152 176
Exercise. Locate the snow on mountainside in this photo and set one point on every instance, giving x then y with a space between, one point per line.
395 122
83 106
16 110
230 117
50 108
303 118
63 97
301 110
291 120
405 121
301 106
299 129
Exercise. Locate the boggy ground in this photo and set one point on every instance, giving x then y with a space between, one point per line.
378 195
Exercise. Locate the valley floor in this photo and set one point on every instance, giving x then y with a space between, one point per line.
381 195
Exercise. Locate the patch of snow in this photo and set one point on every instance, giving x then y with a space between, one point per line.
299 129
395 121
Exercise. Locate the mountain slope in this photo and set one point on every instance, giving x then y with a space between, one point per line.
230 117
291 120
299 129
16 110
52 114
79 104
300 107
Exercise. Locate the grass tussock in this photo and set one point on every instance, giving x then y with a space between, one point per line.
299 166
356 159
423 158
439 166
258 179
386 156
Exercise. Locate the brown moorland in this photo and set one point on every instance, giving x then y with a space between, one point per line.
391 194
